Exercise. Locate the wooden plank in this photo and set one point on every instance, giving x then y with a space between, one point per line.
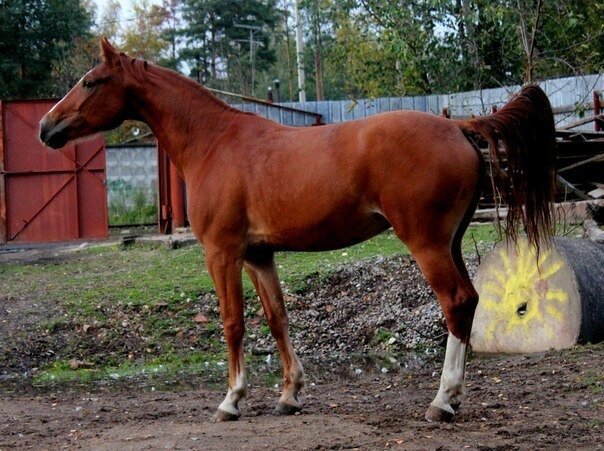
571 212
585 120
581 163
583 135
572 188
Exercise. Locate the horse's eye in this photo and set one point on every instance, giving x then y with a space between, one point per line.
87 84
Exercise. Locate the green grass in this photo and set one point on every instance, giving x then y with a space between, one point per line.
211 367
131 206
153 293
595 381
167 367
144 275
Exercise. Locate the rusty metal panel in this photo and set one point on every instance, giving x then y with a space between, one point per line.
163 191
50 195
171 192
3 231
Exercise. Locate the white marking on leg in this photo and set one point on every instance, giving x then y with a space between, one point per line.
234 395
451 381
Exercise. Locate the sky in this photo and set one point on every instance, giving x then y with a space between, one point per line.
126 11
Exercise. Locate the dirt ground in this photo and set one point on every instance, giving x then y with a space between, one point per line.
553 400
548 401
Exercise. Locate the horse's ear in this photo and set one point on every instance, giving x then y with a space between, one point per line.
108 52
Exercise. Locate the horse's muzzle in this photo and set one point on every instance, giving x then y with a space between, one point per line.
53 134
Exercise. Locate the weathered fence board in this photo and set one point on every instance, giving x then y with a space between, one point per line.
569 93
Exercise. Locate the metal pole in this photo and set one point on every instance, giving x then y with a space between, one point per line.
277 94
597 109
252 29
300 54
252 57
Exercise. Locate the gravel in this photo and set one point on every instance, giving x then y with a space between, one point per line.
374 306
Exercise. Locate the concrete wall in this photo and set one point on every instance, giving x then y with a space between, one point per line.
131 170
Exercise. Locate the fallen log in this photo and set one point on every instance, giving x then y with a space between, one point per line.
530 307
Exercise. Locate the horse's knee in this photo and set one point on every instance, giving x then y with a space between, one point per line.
234 330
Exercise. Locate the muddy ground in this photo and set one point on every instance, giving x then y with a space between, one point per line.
553 400
549 401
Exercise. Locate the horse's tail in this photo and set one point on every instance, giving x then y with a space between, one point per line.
525 128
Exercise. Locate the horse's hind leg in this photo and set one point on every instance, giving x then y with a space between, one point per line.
264 277
458 300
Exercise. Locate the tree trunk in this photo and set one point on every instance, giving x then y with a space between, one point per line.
290 66
528 37
318 54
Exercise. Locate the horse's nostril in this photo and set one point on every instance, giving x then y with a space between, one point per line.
44 129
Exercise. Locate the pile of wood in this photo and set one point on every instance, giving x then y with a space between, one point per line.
580 170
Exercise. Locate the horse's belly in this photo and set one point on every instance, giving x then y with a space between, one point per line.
331 233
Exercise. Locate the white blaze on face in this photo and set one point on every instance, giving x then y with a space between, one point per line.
50 115
451 381
234 395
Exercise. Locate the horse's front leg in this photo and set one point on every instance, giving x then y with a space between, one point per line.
264 276
225 269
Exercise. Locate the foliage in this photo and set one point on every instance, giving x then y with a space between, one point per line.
384 48
109 22
353 48
143 37
132 207
72 62
218 42
570 39
35 34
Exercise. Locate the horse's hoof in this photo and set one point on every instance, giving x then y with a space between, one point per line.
437 415
455 406
222 415
286 409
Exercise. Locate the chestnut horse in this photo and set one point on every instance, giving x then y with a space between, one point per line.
255 187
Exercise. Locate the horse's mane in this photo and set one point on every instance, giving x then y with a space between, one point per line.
141 70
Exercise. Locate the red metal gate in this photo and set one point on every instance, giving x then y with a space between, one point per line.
48 195
172 211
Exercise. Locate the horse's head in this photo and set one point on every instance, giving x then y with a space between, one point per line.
96 103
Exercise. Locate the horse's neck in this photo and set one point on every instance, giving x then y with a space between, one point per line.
186 119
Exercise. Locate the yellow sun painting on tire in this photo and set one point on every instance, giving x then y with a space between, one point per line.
525 305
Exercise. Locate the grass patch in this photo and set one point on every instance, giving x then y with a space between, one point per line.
166 366
595 381
210 368
131 206
112 305
382 336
